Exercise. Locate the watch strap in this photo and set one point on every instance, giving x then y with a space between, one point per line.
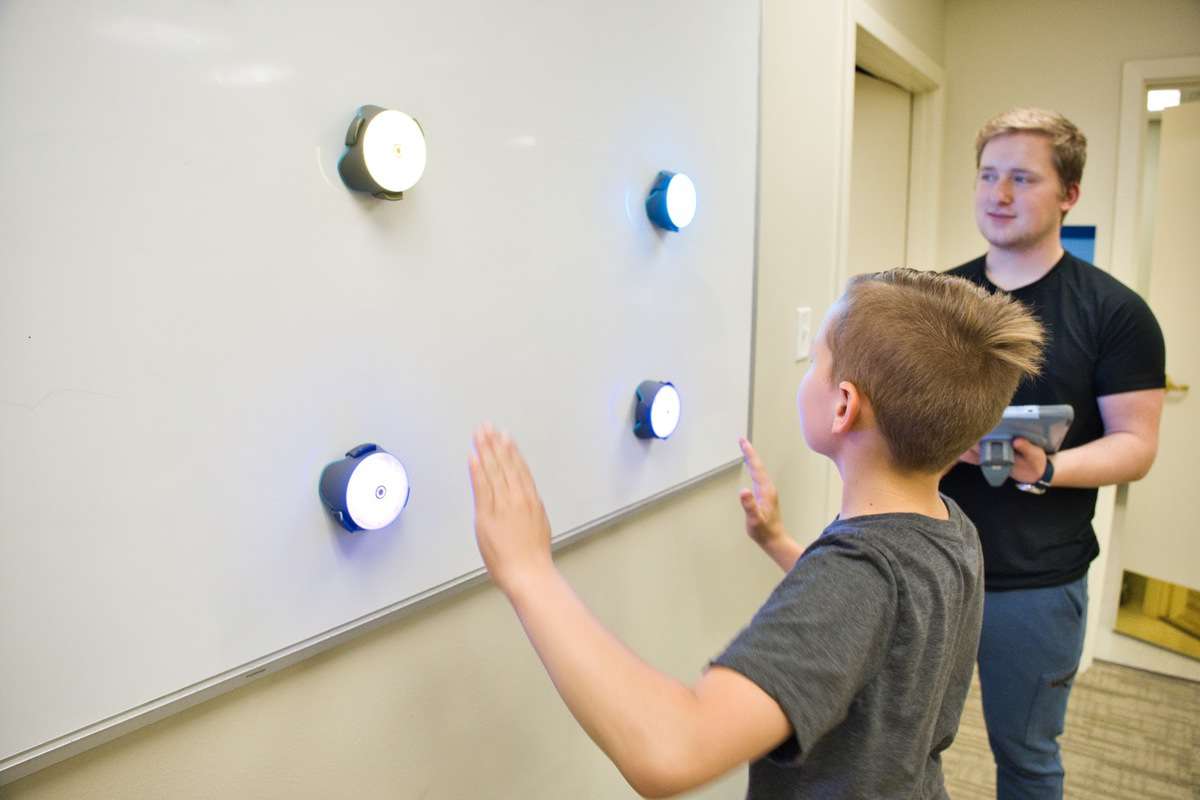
1043 483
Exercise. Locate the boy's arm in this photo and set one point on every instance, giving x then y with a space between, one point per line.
662 735
761 504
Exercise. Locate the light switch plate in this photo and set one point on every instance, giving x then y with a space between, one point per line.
803 332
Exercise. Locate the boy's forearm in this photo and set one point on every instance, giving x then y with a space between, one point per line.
637 715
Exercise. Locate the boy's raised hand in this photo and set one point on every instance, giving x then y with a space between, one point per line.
511 527
761 503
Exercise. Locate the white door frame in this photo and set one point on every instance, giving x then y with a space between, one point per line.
1136 77
879 47
1104 580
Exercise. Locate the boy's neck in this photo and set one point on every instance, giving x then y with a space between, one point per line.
1011 268
873 488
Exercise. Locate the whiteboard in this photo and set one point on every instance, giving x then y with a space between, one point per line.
197 316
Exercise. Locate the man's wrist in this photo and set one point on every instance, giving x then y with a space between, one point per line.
1041 484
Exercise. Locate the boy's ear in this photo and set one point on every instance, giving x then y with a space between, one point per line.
848 409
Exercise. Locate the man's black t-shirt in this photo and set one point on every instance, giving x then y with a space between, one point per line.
1102 339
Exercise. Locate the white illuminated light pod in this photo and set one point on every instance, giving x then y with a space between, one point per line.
385 153
366 490
656 413
671 204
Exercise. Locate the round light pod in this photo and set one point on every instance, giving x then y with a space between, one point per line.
656 413
385 153
671 204
366 490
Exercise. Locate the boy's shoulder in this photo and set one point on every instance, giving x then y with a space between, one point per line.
902 541
881 529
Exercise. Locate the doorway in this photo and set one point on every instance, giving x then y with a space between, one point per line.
880 165
1153 542
893 102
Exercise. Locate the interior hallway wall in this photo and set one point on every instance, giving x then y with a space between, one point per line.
450 701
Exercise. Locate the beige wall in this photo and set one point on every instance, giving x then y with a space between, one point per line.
1065 55
450 702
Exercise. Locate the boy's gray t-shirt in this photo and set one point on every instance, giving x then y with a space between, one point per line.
868 646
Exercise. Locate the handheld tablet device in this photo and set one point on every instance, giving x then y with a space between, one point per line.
1045 426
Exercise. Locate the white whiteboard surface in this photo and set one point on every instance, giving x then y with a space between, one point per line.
196 315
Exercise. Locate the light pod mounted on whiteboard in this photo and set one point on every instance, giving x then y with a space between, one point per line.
671 204
385 153
656 413
366 490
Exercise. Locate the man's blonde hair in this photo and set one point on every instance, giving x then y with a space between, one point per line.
937 357
1068 145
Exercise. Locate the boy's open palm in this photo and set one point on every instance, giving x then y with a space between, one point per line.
761 502
511 527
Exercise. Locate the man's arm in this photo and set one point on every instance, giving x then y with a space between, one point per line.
664 737
1124 453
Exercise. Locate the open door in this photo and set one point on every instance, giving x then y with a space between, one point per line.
1160 526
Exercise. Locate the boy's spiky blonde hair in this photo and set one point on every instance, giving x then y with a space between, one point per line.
937 357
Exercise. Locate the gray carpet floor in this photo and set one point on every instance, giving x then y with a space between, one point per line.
1129 734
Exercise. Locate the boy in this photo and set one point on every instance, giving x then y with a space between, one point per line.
850 680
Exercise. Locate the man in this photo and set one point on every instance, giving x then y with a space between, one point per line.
1105 357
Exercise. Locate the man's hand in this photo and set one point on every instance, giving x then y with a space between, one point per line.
761 503
511 527
971 456
1029 461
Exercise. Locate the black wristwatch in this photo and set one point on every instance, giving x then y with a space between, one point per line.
1043 483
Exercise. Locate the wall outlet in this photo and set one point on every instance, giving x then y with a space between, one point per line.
803 332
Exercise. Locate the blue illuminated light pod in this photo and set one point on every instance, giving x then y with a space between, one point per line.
385 153
656 414
671 204
366 490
